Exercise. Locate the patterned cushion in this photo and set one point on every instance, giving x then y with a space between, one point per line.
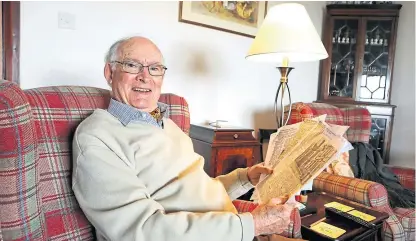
407 219
36 126
178 110
405 175
302 111
292 231
359 121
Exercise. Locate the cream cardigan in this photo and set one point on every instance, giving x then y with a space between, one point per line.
141 182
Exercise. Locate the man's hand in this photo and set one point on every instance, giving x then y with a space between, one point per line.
255 171
272 218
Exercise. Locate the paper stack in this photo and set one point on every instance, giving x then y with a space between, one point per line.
297 154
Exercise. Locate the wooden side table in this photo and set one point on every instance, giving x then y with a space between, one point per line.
225 149
354 231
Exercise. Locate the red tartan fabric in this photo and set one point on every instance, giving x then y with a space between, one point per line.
302 111
405 175
178 110
36 128
407 219
292 231
358 119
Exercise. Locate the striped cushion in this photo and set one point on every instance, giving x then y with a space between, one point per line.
407 219
36 126
292 231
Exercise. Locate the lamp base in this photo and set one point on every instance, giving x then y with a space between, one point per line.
281 90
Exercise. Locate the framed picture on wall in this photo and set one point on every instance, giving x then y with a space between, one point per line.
238 17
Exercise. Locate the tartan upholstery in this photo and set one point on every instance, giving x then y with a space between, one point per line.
399 226
405 175
407 219
292 231
358 119
178 110
302 111
36 128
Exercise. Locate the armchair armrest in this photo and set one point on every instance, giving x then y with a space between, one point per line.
292 231
368 193
405 175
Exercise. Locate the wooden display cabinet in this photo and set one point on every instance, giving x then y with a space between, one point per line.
360 40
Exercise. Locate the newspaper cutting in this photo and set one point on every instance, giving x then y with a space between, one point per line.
298 153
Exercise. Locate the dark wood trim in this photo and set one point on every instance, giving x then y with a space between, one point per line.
326 63
360 57
365 9
11 40
392 54
364 12
340 102
388 139
365 6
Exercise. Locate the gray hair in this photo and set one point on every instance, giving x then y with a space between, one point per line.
114 51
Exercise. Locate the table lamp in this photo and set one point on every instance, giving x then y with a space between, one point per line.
287 34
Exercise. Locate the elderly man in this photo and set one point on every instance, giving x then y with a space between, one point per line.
136 175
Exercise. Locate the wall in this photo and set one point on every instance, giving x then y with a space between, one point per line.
206 66
403 90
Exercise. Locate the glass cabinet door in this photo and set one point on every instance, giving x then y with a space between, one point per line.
343 59
374 81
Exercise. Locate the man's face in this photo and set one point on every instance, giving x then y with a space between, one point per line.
141 90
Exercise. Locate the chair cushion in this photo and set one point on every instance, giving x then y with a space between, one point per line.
359 121
178 110
57 111
302 111
407 219
405 175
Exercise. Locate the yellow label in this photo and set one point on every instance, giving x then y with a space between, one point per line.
338 206
328 230
362 215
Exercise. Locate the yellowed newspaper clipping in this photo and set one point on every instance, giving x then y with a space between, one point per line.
298 153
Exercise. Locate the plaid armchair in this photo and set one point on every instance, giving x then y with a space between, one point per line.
36 128
401 223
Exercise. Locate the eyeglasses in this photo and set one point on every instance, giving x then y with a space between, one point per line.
135 68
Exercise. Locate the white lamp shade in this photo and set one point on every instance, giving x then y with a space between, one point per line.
287 32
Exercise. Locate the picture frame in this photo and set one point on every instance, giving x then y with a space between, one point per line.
237 17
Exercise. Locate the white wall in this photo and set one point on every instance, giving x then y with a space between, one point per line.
206 66
402 151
